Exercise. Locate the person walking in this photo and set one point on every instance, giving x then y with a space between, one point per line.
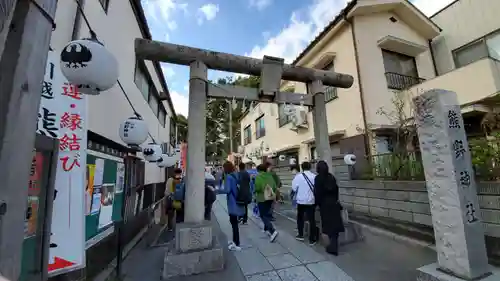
230 188
173 208
270 169
303 190
326 192
244 192
210 196
265 195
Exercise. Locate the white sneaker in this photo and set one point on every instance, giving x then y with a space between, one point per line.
233 247
229 243
273 236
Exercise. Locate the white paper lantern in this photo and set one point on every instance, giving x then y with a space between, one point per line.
282 157
152 152
133 131
86 62
350 159
166 161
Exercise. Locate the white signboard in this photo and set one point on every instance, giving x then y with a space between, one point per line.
62 115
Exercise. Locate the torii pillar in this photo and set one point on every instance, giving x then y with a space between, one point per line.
197 250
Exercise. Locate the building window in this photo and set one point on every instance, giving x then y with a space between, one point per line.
142 81
488 46
153 103
149 92
260 129
162 116
400 70
330 92
283 119
105 4
172 132
247 135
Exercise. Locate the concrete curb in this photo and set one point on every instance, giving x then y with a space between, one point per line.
381 231
109 271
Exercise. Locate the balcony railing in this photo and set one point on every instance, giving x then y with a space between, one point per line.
398 81
284 119
330 93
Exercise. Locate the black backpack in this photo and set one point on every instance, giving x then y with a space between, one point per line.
244 196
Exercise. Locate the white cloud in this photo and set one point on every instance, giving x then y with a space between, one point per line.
168 71
186 88
181 103
207 12
162 11
305 25
299 32
430 7
260 4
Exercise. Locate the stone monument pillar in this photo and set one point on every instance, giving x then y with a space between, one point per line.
196 249
458 229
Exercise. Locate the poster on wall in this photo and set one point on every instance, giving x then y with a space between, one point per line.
120 177
62 115
107 197
31 217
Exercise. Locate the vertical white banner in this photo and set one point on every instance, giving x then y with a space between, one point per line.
62 115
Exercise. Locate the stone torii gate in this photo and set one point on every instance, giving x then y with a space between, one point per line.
195 236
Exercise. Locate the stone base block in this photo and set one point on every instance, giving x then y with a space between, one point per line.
191 236
431 272
193 262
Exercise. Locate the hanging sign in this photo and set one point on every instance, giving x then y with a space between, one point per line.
62 114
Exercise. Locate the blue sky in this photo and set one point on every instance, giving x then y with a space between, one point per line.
254 28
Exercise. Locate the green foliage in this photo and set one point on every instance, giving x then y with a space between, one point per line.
485 154
217 119
182 125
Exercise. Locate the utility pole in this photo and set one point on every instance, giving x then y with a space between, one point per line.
24 46
230 108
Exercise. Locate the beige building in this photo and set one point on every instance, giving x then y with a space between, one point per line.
389 47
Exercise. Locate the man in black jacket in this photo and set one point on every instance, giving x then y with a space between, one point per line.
244 181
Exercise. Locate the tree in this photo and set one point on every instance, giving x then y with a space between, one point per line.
401 164
182 125
218 142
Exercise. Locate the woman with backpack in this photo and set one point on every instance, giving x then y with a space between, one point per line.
326 192
230 188
265 195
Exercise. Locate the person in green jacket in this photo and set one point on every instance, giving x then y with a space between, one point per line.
265 194
276 178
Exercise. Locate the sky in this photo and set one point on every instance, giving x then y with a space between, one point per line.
280 28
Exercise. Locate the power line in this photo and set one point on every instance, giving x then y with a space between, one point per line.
93 35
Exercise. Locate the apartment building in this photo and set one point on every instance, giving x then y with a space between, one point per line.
385 46
390 48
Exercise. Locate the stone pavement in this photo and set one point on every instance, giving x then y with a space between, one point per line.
377 258
284 260
146 264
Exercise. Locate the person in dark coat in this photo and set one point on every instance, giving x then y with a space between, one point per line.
326 192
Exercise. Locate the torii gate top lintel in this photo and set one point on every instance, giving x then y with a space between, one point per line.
184 55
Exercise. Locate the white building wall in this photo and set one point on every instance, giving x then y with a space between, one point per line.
117 29
463 22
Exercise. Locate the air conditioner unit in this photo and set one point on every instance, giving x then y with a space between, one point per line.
299 119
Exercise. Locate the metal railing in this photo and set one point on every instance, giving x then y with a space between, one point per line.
330 93
398 81
284 119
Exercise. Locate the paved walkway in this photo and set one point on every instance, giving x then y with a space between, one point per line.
285 260
378 258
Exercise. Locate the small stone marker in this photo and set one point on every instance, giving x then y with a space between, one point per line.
458 229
